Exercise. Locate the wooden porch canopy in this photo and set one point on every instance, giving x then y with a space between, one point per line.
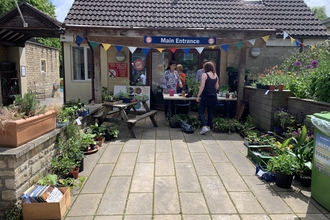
134 37
14 32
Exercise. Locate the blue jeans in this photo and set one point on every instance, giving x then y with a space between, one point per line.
201 110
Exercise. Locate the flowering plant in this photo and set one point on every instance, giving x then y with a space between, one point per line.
286 120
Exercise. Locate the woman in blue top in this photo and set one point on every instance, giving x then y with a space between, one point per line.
207 95
170 81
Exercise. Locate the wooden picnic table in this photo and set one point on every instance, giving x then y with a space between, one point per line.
124 108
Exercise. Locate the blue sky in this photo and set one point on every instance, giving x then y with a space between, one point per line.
63 6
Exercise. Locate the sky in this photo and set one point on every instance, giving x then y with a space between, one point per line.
63 7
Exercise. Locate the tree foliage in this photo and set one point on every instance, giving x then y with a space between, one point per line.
43 5
319 12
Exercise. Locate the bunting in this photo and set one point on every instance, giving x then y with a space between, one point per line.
238 45
106 46
285 35
132 49
79 40
297 43
292 39
119 48
252 41
172 50
265 38
93 44
186 50
160 50
225 47
199 49
145 50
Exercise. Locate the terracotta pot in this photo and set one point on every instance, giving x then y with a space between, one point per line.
280 87
74 172
21 131
100 140
227 95
271 87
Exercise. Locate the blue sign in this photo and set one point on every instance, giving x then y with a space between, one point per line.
179 40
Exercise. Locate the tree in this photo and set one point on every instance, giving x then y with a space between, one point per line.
319 12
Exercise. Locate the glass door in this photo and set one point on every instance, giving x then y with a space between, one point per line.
159 63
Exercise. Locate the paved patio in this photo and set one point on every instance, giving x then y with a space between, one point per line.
166 174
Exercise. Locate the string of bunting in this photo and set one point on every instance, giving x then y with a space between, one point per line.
224 47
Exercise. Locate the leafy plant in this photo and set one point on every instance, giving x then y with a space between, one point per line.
87 139
113 131
49 179
72 183
283 163
98 130
224 88
223 124
192 84
15 213
66 114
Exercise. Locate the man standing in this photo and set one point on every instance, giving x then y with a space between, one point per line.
142 78
200 72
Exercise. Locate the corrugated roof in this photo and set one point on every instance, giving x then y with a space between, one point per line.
292 16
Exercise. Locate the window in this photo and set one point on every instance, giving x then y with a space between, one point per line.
82 65
43 65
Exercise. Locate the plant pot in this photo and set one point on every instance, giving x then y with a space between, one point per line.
305 181
81 167
100 140
227 95
280 87
272 87
74 172
21 131
283 180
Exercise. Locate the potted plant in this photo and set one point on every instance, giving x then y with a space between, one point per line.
111 132
223 125
64 116
192 84
88 144
99 131
284 166
224 89
25 120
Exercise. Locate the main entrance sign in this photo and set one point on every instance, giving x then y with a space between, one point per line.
179 40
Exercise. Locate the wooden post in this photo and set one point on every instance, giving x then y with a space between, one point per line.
97 75
241 76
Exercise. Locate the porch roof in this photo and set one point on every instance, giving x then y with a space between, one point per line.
292 16
39 24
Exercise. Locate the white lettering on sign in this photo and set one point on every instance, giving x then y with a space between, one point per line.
185 41
167 40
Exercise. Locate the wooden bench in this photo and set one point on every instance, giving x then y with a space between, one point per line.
132 122
100 117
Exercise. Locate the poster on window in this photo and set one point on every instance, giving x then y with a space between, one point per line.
138 91
118 70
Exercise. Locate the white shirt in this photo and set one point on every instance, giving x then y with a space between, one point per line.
143 79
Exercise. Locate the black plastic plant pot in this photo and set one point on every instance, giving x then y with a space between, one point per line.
283 180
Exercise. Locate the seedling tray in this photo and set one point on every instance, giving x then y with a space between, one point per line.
255 153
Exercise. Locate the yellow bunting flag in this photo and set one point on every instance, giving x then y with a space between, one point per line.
312 47
212 47
265 38
160 50
292 40
106 46
327 42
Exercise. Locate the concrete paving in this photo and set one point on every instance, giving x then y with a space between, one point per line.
165 174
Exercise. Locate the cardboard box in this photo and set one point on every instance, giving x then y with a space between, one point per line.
54 210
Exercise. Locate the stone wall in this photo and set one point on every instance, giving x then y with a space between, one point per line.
23 166
3 53
38 80
261 106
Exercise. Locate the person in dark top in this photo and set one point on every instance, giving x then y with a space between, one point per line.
207 95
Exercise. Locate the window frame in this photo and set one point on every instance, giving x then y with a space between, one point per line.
43 65
86 67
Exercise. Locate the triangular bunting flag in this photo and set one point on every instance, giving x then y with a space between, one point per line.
265 38
292 40
93 44
238 44
252 41
160 49
327 42
308 47
302 44
225 47
297 43
119 48
173 50
199 49
186 50
132 49
106 46
145 50
79 40
312 47
285 35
